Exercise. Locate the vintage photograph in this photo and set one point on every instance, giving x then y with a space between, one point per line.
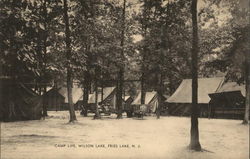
124 79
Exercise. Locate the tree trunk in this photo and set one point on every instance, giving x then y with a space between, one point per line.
160 83
44 103
247 79
86 93
97 114
85 101
144 28
121 72
142 87
55 97
194 142
40 63
69 71
143 93
119 94
158 109
44 55
159 93
87 80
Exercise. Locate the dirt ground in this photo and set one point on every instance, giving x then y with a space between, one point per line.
150 138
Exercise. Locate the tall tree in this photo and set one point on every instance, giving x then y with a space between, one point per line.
68 56
144 23
45 37
247 83
160 83
194 142
121 70
97 113
243 13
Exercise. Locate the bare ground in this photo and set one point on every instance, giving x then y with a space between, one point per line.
151 138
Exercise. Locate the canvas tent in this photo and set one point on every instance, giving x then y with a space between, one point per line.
228 101
180 102
151 100
108 97
77 93
18 102
107 101
57 98
54 100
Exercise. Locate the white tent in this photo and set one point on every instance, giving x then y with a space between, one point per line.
151 99
77 93
183 93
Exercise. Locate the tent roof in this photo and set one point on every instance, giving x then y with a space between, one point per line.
183 94
106 92
76 93
231 96
30 91
148 98
49 88
232 86
126 98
